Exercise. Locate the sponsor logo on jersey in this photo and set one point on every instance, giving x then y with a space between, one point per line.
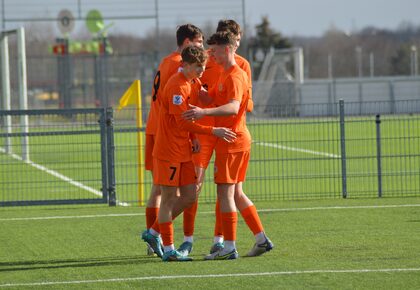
177 100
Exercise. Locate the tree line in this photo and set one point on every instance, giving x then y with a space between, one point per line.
369 51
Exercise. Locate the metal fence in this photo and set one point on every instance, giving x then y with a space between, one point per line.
71 155
56 157
391 92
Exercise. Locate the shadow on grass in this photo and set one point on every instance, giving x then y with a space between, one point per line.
76 263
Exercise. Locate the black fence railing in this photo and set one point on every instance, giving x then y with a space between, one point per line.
96 155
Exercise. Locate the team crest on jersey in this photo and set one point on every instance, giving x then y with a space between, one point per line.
177 100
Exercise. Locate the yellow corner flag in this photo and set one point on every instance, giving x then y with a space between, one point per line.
132 96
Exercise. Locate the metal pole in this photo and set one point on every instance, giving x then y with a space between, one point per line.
392 97
330 71
104 143
245 42
23 91
298 62
112 201
5 81
378 153
79 9
68 78
343 151
157 33
358 50
3 16
413 60
372 64
104 73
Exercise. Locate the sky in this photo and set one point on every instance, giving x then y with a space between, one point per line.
314 17
291 17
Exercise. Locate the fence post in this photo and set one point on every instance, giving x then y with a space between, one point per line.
5 85
23 91
343 150
110 156
378 153
104 142
392 96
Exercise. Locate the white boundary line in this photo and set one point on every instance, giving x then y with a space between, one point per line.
130 279
295 149
212 212
61 176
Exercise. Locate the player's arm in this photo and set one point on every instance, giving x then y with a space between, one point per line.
195 113
196 146
250 105
178 106
234 89
204 97
224 133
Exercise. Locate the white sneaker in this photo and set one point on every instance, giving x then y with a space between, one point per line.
259 249
222 255
150 251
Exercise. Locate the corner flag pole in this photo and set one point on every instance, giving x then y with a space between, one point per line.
133 97
140 172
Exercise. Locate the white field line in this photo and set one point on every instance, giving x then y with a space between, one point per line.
172 277
295 149
212 212
60 176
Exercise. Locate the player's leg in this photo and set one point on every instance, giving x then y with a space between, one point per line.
225 168
153 203
225 195
152 207
189 192
189 217
170 176
250 215
169 197
200 161
218 230
249 212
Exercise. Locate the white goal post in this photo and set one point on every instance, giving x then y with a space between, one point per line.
22 85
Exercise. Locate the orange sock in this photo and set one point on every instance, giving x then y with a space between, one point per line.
252 219
189 219
167 233
229 223
218 229
155 226
151 216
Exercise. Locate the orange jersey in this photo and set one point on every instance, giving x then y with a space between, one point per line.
173 134
246 67
169 66
209 80
233 85
211 74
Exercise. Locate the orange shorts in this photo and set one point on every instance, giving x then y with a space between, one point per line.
231 167
148 150
207 145
173 173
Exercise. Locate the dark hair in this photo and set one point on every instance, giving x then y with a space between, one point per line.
229 25
187 31
222 38
193 54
